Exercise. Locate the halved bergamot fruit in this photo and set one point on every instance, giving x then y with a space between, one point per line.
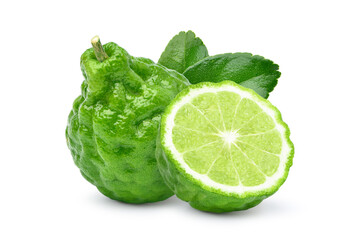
222 147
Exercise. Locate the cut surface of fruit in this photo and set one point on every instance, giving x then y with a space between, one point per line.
227 138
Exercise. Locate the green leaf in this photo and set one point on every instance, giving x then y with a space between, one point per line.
183 50
250 71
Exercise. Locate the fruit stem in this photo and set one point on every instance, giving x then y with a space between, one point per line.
98 49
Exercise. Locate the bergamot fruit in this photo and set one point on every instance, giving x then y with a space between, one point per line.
112 127
222 147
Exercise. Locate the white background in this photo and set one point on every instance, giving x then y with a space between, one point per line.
316 44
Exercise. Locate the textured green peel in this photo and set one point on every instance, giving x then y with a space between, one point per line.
112 127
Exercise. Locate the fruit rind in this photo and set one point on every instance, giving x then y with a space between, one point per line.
194 191
112 127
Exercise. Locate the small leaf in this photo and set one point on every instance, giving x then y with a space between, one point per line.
183 50
250 71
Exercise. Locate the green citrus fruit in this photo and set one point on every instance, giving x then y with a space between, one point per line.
222 147
113 125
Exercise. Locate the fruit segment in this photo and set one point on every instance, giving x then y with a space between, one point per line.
259 124
245 111
200 159
208 105
267 142
265 161
223 170
189 114
186 139
228 102
248 171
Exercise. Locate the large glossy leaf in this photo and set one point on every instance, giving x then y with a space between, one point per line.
250 71
183 50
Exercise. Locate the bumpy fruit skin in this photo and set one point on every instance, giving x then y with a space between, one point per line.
196 194
112 127
199 195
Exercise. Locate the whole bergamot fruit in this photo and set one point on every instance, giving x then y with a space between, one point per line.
112 128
